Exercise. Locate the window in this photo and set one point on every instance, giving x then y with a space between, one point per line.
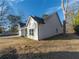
31 32
56 30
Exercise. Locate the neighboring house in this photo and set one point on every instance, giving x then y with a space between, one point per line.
42 28
22 29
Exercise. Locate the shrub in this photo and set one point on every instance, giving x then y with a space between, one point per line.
76 28
1 30
14 29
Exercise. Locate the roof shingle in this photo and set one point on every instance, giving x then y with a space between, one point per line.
38 19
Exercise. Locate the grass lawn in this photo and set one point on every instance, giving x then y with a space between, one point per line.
59 43
26 46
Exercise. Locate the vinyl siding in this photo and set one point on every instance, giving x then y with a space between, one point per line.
51 27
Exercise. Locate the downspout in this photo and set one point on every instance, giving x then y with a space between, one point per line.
38 31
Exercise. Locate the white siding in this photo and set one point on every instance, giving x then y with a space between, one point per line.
50 27
19 30
32 25
22 32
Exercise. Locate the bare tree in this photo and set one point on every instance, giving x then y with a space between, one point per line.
4 9
64 8
14 22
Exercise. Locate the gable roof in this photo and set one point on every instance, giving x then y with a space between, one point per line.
22 24
38 19
59 19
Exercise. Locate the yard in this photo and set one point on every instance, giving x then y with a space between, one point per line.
56 48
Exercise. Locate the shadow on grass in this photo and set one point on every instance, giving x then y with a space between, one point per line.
49 55
68 36
10 54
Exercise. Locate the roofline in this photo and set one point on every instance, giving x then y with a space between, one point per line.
28 20
58 18
53 13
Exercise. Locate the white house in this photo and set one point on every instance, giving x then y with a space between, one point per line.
22 29
42 28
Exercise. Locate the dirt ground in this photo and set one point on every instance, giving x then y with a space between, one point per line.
59 47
